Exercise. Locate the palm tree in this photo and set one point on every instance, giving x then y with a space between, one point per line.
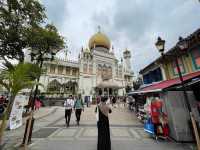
14 79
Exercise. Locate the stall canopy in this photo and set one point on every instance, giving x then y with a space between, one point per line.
166 84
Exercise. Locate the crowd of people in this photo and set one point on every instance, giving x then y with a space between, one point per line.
115 101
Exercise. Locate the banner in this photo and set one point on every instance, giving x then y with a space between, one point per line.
15 120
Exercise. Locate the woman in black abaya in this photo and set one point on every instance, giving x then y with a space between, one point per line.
104 142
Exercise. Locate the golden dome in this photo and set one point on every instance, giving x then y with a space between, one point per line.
99 40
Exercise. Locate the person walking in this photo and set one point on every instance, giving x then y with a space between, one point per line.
114 102
79 107
124 101
103 110
37 104
68 104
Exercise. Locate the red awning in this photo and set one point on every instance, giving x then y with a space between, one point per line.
168 83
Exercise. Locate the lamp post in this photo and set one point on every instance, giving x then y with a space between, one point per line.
182 45
39 58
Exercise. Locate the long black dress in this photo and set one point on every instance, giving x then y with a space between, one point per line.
104 142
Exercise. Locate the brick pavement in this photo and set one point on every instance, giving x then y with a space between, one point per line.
13 137
126 134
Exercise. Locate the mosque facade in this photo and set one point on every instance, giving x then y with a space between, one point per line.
97 72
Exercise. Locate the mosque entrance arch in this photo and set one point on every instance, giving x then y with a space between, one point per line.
71 87
54 86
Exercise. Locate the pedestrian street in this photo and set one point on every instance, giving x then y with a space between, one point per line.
127 133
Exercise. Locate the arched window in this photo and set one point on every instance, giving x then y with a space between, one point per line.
104 71
52 69
74 71
90 68
60 69
67 70
54 85
99 70
84 68
120 72
110 72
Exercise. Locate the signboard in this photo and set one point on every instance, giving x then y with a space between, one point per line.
15 120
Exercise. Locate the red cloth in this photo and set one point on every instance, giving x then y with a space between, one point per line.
155 107
165 130
158 104
37 104
154 110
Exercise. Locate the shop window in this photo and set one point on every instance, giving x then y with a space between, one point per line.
152 76
146 79
196 58
175 69
52 69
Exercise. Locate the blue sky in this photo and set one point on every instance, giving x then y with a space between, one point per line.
132 24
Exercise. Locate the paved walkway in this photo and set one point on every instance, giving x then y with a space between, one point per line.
126 133
13 137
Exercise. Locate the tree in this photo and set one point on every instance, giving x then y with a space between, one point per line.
44 41
15 79
17 17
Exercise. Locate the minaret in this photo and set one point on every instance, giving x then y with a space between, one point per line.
99 28
127 60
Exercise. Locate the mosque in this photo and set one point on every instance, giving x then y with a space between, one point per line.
97 71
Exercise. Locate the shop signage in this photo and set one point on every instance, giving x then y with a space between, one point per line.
15 120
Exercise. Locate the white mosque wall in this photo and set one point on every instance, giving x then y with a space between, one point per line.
88 80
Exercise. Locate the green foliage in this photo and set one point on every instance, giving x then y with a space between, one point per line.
19 77
17 17
14 79
44 40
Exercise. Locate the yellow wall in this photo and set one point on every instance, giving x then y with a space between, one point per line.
187 61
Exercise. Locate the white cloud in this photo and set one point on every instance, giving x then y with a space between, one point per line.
133 24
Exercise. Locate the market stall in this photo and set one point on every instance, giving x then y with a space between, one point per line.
173 106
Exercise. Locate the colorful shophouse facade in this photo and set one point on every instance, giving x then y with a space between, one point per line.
161 77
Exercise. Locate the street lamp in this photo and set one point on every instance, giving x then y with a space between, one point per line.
160 45
182 45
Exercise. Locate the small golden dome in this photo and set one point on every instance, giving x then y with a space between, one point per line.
87 50
99 40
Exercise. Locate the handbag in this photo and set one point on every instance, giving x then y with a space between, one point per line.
149 126
97 113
